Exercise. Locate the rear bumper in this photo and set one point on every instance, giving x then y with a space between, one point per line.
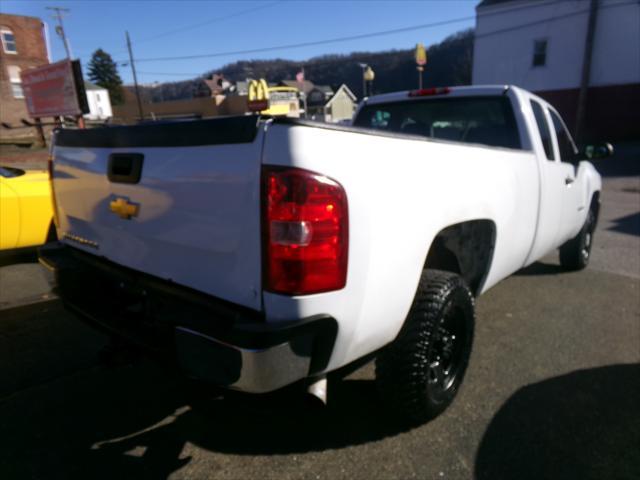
211 339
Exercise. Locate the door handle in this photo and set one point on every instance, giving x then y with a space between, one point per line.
569 180
125 167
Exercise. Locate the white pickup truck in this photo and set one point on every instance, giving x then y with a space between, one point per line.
263 252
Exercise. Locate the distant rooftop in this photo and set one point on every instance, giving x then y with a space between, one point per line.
91 86
307 85
20 16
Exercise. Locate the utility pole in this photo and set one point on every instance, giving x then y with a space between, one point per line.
135 78
363 66
60 28
586 71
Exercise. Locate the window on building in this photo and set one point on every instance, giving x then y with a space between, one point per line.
98 97
543 128
16 81
566 146
8 41
539 53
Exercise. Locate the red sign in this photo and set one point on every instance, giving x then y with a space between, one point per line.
257 105
54 90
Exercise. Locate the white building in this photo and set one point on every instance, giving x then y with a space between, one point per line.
341 107
540 45
99 102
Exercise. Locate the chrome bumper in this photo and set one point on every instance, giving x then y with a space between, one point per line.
212 340
254 370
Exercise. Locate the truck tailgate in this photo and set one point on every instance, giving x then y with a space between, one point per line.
193 215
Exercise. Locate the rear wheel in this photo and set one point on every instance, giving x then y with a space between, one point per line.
420 372
575 254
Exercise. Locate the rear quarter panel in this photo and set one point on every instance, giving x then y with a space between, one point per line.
401 192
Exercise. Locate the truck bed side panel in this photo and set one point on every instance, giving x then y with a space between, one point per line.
401 192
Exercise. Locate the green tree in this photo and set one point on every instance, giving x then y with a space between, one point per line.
103 72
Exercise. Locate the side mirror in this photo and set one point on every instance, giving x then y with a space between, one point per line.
598 150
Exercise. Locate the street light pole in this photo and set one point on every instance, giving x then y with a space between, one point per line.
135 78
368 76
363 66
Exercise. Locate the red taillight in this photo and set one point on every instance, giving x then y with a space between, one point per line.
427 92
305 228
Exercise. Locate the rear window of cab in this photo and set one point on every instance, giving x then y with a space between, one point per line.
487 120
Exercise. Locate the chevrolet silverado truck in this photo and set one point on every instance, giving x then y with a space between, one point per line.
263 252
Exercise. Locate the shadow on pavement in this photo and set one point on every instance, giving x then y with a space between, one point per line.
20 255
539 268
583 425
242 425
135 421
629 224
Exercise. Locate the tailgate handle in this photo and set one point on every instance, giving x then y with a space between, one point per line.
125 167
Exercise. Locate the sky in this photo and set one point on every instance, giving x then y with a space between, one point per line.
225 30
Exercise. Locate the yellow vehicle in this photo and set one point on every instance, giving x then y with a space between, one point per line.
26 211
283 101
267 100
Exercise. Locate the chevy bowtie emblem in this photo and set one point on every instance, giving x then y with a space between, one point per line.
124 209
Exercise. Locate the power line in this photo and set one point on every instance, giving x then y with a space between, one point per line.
201 24
242 12
170 74
379 33
208 22
313 43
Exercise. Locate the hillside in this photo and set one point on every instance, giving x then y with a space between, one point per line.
449 63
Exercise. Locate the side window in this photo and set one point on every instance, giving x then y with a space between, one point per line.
543 128
15 81
565 143
8 41
539 53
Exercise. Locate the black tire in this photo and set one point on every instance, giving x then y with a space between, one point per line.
420 372
575 254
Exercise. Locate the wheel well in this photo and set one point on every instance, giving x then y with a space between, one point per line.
466 249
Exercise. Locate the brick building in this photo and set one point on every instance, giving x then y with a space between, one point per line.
22 46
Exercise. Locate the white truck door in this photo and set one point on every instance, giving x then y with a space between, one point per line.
553 175
574 184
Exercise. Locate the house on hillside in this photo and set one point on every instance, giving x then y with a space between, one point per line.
99 102
338 108
323 103
317 98
542 46
218 84
23 46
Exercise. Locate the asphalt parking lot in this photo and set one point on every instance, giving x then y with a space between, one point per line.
552 391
